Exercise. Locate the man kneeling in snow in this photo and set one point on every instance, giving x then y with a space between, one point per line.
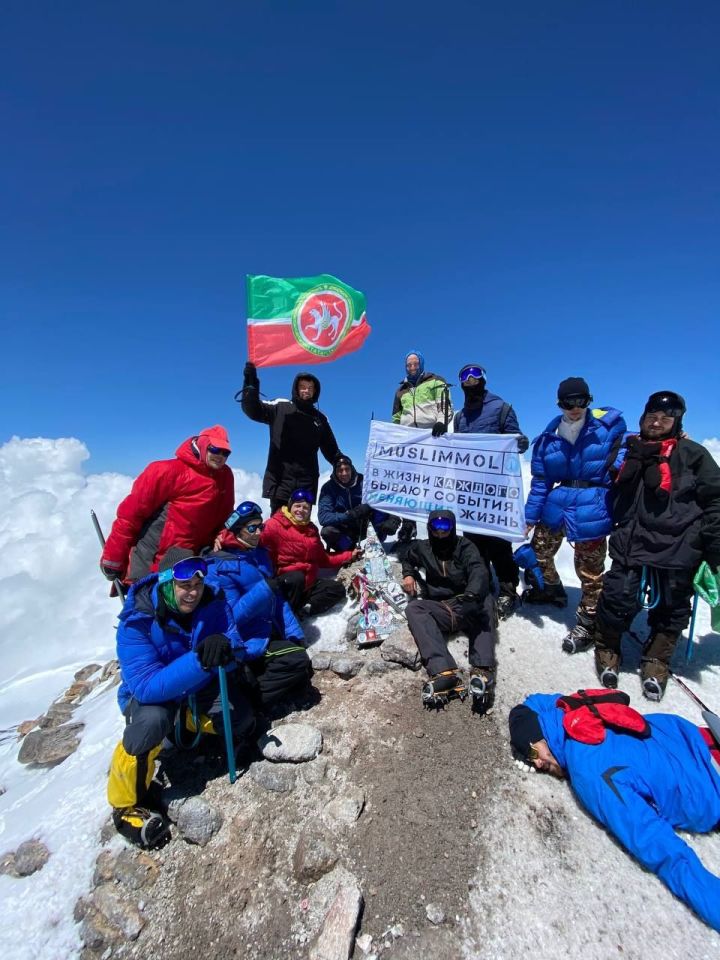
175 631
641 777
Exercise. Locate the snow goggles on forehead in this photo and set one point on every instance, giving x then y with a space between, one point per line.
441 523
668 403
184 570
302 496
218 451
472 372
243 510
581 401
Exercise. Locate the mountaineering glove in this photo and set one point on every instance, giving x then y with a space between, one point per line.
111 570
523 443
467 605
250 377
361 512
388 526
439 429
214 651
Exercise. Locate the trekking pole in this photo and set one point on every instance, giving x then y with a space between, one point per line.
691 632
683 686
229 749
119 585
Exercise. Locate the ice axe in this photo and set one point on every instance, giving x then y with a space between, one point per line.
119 585
709 716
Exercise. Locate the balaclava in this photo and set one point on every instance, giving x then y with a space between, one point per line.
442 547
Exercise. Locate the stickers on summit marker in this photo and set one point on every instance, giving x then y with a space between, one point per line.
408 472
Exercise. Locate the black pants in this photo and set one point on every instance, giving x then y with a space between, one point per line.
499 553
429 621
321 596
147 724
283 672
619 602
341 537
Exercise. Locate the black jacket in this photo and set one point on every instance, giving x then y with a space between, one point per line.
464 572
675 531
297 431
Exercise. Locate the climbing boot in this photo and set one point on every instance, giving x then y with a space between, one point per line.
582 635
442 688
145 828
482 690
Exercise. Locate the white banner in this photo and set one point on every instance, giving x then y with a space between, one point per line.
408 472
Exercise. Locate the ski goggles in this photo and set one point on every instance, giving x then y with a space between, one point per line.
668 403
242 511
184 570
579 401
254 527
302 496
444 524
218 451
476 373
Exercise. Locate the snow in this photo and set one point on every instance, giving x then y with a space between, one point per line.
551 879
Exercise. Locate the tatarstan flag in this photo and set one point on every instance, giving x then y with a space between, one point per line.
303 320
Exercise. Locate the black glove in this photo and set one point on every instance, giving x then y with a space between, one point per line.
439 429
467 606
523 443
273 584
361 512
214 651
111 570
388 526
250 377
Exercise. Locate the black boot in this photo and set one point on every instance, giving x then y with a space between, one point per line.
552 594
442 688
482 690
582 635
506 600
145 828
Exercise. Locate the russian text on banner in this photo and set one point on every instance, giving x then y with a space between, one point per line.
303 320
409 472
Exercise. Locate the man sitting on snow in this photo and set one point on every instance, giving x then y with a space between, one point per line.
640 777
343 516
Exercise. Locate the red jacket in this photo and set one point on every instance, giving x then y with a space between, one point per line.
294 547
181 502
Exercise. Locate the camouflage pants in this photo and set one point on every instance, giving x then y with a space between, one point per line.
589 563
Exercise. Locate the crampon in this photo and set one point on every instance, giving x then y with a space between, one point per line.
482 692
441 689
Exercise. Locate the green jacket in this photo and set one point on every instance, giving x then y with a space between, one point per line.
424 404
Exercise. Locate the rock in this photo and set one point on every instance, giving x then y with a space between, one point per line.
78 690
7 865
314 772
111 669
320 659
26 726
364 943
57 714
272 776
107 831
197 821
335 940
435 913
104 867
375 667
85 672
346 667
401 650
397 931
95 930
291 743
50 747
346 808
313 858
31 856
135 869
121 915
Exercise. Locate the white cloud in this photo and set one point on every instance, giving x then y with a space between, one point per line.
713 445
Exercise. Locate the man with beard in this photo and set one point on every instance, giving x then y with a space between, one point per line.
447 581
485 412
666 521
297 431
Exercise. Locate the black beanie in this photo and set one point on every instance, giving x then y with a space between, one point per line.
573 387
524 728
174 555
341 459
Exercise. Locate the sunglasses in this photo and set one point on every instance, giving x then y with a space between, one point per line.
302 496
441 523
218 451
245 509
254 527
184 570
532 753
572 403
476 373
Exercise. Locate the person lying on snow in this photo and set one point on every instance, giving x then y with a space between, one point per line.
175 631
642 778
343 516
182 502
297 555
244 571
448 583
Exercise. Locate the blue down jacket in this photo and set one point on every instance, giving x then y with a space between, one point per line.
486 418
582 510
157 655
644 790
335 500
242 575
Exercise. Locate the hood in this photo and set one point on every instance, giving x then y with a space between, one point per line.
443 547
421 367
551 722
193 451
294 395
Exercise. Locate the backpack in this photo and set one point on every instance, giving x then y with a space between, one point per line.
589 713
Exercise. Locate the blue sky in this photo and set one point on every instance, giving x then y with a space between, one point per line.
533 187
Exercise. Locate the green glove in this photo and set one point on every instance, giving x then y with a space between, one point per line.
707 584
